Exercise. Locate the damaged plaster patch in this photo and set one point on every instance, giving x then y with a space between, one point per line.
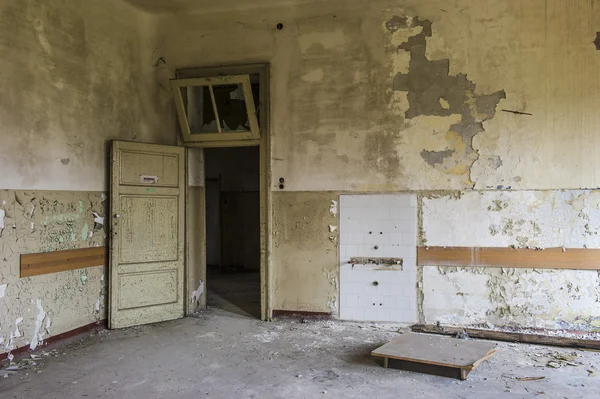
197 293
333 208
495 162
432 91
313 76
445 104
436 157
3 290
327 40
17 332
39 320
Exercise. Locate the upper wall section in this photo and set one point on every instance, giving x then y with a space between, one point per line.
381 97
75 74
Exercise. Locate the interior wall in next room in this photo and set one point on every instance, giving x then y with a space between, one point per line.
233 177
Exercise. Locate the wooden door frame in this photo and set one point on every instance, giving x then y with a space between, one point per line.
263 69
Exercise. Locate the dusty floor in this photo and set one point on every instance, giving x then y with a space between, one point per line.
223 353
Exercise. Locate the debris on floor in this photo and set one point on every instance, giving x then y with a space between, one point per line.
431 354
31 362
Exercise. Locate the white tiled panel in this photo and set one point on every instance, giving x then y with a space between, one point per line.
380 225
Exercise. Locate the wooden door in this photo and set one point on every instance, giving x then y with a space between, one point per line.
147 234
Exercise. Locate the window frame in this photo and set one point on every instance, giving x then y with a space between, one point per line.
210 81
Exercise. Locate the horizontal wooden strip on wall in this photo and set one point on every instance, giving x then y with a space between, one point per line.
60 261
548 258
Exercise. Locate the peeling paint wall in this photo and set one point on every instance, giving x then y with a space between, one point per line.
392 97
417 96
75 75
34 308
80 73
505 297
389 97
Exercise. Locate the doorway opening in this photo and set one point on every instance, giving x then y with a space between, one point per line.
233 259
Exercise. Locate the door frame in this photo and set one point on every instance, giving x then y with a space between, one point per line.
263 69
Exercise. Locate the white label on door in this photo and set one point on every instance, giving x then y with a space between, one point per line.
148 179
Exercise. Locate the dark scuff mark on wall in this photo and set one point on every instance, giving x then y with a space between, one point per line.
436 157
382 155
397 23
428 81
495 162
597 41
65 161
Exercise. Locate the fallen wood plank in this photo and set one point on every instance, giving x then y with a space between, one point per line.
509 336
448 357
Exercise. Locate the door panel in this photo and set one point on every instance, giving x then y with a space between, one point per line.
147 234
162 166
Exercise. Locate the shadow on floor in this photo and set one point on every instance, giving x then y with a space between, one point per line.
236 291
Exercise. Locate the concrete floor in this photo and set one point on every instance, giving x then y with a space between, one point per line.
224 353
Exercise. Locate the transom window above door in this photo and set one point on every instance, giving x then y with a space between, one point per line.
216 108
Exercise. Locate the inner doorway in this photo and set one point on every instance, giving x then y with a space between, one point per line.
232 182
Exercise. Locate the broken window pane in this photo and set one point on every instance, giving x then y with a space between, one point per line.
199 109
208 107
231 107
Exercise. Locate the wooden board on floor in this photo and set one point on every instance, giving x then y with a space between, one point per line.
449 357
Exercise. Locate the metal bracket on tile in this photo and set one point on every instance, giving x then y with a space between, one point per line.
390 263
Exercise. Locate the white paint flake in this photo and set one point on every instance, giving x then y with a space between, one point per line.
3 290
2 214
197 293
333 208
332 228
17 333
98 305
98 219
39 321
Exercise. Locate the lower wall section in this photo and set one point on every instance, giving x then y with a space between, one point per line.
304 258
35 308
512 298
553 299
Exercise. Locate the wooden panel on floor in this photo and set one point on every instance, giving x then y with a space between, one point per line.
549 258
448 357
60 261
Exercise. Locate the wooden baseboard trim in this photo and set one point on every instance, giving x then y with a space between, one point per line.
301 314
96 326
548 258
524 338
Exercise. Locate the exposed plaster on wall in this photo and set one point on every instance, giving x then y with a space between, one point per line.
57 302
568 218
506 297
433 91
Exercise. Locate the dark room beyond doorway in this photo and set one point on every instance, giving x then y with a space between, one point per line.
233 229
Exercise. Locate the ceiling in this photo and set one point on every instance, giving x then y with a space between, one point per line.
183 6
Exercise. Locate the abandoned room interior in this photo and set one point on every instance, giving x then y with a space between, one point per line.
300 198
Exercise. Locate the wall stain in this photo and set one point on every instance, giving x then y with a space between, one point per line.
432 91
